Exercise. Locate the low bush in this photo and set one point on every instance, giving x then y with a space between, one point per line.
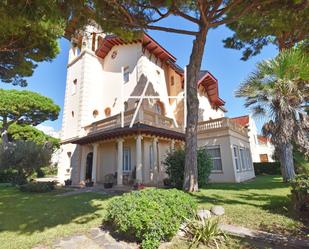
204 231
300 194
267 168
12 176
37 187
150 215
175 164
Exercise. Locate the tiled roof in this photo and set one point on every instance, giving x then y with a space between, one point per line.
243 120
137 128
263 139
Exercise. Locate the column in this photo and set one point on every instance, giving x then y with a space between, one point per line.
139 166
94 163
83 165
119 161
155 159
173 145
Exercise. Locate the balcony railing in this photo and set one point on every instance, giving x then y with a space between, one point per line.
221 123
144 116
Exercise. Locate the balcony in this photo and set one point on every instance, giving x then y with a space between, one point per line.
144 116
221 124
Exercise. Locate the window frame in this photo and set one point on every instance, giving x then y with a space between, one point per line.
126 74
215 158
236 158
126 168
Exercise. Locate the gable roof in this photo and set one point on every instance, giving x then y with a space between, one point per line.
210 83
108 42
242 120
263 139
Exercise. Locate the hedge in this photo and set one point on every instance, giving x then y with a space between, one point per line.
267 168
151 215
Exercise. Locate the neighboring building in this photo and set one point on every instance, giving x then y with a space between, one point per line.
261 148
48 130
107 131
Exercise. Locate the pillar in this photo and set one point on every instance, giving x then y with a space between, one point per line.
119 161
139 166
173 145
94 163
155 158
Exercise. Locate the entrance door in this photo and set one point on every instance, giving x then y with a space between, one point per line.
89 166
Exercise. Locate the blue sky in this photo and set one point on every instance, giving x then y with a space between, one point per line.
49 78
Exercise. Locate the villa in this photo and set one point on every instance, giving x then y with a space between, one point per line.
124 110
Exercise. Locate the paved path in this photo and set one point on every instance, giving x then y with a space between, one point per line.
98 238
95 239
284 242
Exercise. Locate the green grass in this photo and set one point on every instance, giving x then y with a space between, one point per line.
260 204
28 219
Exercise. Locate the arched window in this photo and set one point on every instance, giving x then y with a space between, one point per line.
95 113
72 114
125 106
107 112
159 107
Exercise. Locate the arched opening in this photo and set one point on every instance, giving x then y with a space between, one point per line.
89 166
95 113
159 107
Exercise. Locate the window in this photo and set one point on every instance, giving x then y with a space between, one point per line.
215 154
158 76
107 112
126 106
126 160
159 108
243 158
249 158
126 74
236 157
263 158
172 81
72 113
151 157
95 113
74 87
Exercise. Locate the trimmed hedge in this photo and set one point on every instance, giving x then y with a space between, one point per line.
37 187
267 168
151 215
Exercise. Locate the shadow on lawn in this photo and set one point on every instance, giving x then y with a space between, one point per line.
27 213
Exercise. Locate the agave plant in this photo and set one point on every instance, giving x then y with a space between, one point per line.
279 91
204 231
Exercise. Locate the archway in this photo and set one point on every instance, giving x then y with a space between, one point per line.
89 166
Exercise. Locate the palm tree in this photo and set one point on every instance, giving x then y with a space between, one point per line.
279 91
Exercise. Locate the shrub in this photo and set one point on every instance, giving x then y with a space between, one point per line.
300 193
12 176
175 164
150 215
267 168
37 187
26 157
204 231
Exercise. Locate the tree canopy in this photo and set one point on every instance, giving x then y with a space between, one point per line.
24 108
282 23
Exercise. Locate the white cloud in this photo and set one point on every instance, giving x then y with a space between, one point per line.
49 130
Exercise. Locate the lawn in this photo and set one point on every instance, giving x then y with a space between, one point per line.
30 219
260 204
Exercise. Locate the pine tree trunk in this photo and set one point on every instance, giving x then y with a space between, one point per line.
4 133
286 161
190 175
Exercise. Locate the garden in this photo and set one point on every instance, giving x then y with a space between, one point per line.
151 216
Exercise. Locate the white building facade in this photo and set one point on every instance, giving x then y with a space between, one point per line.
108 129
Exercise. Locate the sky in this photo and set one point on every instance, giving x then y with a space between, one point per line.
49 78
